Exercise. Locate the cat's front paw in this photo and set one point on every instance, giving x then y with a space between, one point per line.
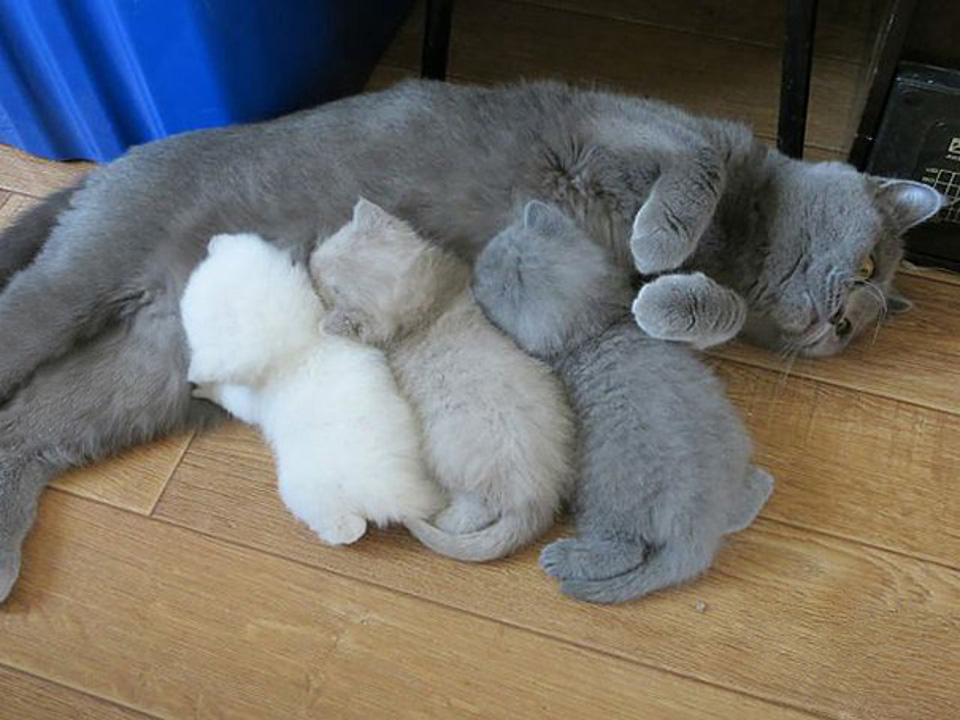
657 244
689 308
342 530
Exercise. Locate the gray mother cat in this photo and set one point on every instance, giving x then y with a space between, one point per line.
665 460
92 355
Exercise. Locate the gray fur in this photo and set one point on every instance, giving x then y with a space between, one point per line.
497 430
665 460
456 162
23 240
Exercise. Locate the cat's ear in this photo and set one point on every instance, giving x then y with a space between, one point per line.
368 215
909 202
897 303
544 218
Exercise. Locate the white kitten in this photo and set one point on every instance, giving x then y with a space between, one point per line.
347 444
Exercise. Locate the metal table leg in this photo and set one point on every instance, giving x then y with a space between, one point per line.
795 78
436 39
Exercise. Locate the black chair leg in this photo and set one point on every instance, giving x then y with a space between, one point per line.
795 77
436 39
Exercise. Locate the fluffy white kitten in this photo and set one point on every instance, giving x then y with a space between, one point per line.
347 444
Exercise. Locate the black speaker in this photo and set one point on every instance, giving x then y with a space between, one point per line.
919 139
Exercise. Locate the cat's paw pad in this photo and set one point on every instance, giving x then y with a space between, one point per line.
343 530
9 572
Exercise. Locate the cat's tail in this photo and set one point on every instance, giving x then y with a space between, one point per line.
647 569
21 241
508 533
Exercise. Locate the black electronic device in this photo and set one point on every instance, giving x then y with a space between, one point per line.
919 139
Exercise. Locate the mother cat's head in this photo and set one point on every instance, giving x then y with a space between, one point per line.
826 244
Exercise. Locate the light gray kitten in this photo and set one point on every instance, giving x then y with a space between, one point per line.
497 430
665 460
92 355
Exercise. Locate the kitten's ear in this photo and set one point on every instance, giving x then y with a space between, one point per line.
897 303
547 219
369 216
909 202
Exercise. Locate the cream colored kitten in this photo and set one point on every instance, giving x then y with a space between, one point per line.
497 429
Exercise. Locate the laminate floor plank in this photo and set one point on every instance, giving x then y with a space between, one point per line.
24 697
793 616
179 625
30 175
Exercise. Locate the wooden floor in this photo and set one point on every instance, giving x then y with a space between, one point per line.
171 583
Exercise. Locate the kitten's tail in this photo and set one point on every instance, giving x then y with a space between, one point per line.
508 533
20 243
661 567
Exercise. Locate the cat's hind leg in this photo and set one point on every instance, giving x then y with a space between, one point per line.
21 242
689 308
587 558
87 276
125 386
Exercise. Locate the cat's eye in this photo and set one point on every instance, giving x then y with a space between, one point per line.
867 269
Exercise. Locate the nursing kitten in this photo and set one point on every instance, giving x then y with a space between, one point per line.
347 444
92 353
497 430
665 460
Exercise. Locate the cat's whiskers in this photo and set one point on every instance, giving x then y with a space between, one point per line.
877 294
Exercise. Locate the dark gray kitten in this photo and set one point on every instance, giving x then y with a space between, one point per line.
665 460
92 354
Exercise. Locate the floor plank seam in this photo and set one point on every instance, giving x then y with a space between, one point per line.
918 274
605 652
758 365
671 28
861 543
80 691
173 471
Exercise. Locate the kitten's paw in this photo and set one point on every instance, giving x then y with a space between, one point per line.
590 558
689 308
343 530
9 572
658 245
